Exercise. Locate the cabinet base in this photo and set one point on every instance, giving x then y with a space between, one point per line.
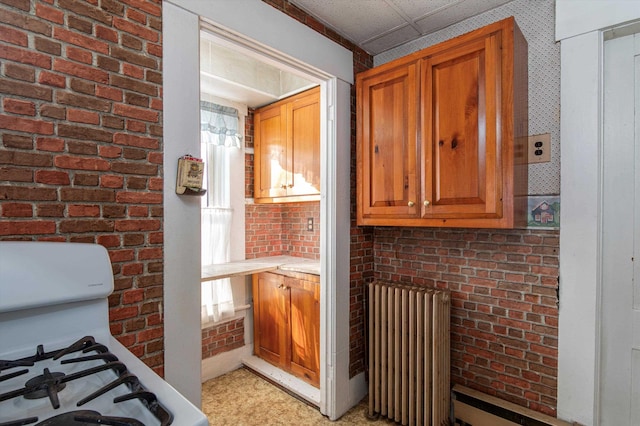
289 383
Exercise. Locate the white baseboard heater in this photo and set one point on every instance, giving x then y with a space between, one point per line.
409 354
474 408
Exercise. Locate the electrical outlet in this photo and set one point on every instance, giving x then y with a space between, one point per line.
310 224
539 148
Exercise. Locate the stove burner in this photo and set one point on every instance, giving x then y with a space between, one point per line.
50 383
69 419
42 386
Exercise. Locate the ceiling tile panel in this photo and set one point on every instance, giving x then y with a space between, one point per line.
379 25
417 9
357 20
390 40
456 13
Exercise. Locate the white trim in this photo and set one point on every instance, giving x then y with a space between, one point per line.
580 133
579 24
576 17
268 27
238 313
181 118
298 386
225 362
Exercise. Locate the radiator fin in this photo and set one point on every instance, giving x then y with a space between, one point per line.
409 354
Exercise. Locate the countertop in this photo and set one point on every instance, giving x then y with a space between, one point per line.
263 264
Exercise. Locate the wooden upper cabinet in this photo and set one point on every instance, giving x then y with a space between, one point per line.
270 152
287 149
304 115
459 140
387 165
471 95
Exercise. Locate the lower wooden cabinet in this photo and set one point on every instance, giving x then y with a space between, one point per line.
286 322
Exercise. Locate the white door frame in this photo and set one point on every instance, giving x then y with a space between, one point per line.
257 21
580 26
619 347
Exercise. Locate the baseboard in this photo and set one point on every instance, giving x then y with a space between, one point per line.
474 408
290 383
224 363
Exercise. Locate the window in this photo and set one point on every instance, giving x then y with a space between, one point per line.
221 144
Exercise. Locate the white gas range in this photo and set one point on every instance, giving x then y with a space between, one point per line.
59 363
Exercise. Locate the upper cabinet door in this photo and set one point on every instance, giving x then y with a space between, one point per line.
287 149
460 139
270 147
304 144
387 169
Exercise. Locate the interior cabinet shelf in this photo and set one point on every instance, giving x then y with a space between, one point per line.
441 134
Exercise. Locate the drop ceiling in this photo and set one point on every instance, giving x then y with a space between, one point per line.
380 25
373 25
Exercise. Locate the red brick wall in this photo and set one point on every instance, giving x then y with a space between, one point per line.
504 307
281 229
222 337
81 149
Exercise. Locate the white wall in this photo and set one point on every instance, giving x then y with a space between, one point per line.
579 25
182 333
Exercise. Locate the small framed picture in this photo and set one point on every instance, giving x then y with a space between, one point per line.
543 211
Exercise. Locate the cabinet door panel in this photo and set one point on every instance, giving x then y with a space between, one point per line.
304 114
305 329
270 318
462 173
387 166
270 147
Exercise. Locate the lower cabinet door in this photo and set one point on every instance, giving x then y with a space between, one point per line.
286 323
304 342
270 318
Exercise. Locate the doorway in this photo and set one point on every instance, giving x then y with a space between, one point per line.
263 26
237 84
620 298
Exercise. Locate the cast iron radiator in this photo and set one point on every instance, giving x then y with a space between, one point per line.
409 354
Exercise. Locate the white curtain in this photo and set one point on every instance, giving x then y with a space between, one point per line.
219 135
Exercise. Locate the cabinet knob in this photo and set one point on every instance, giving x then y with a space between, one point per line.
290 185
411 204
283 186
426 203
281 286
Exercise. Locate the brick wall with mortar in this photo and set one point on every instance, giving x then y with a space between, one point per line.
504 334
81 152
281 229
222 337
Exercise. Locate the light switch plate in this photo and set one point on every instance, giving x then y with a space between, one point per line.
539 148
